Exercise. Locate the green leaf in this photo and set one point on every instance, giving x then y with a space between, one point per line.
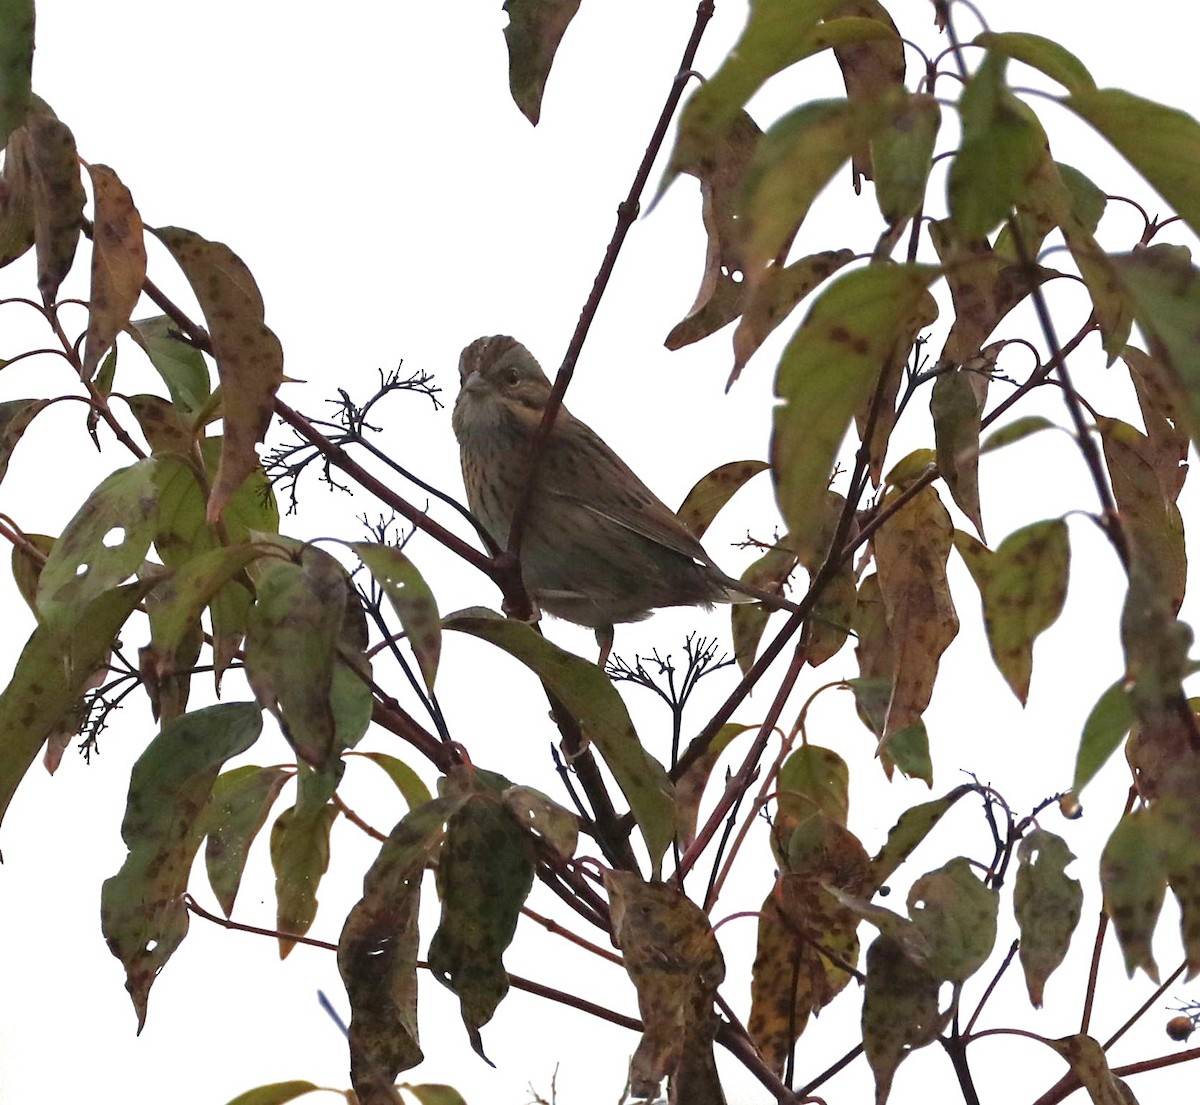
118 265
102 546
1161 143
1165 287
181 366
1047 902
591 698
814 780
900 1011
1090 1065
49 677
27 567
412 600
778 33
1057 62
249 356
534 30
827 371
705 500
237 809
16 63
1023 594
1002 144
908 750
913 827
902 155
414 792
485 873
377 953
300 856
1106 726
277 1093
956 913
1015 431
142 912
15 416
1134 879
291 647
957 407
431 1093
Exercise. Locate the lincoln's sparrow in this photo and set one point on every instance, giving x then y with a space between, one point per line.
599 546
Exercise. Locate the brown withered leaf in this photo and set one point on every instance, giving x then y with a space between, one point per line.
911 550
118 265
1145 492
1090 1065
16 199
870 69
1164 413
672 958
983 286
535 28
723 287
807 940
58 200
249 356
775 295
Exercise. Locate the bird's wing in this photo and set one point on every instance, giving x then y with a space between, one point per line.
621 498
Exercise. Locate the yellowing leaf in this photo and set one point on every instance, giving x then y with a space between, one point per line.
689 789
16 212
277 1093
1134 880
1047 902
300 856
814 780
1023 594
118 265
141 907
828 368
1161 143
534 30
1054 60
911 550
913 827
705 500
1090 1065
249 356
775 295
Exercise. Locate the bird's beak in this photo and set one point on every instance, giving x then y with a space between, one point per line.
474 384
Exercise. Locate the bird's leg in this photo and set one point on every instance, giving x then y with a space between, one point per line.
604 638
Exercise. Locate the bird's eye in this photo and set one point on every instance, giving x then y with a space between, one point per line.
512 377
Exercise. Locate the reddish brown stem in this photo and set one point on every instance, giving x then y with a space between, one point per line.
627 212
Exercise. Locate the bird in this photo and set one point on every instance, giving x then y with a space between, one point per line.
599 547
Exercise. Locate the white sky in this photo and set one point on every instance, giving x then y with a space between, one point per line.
392 204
